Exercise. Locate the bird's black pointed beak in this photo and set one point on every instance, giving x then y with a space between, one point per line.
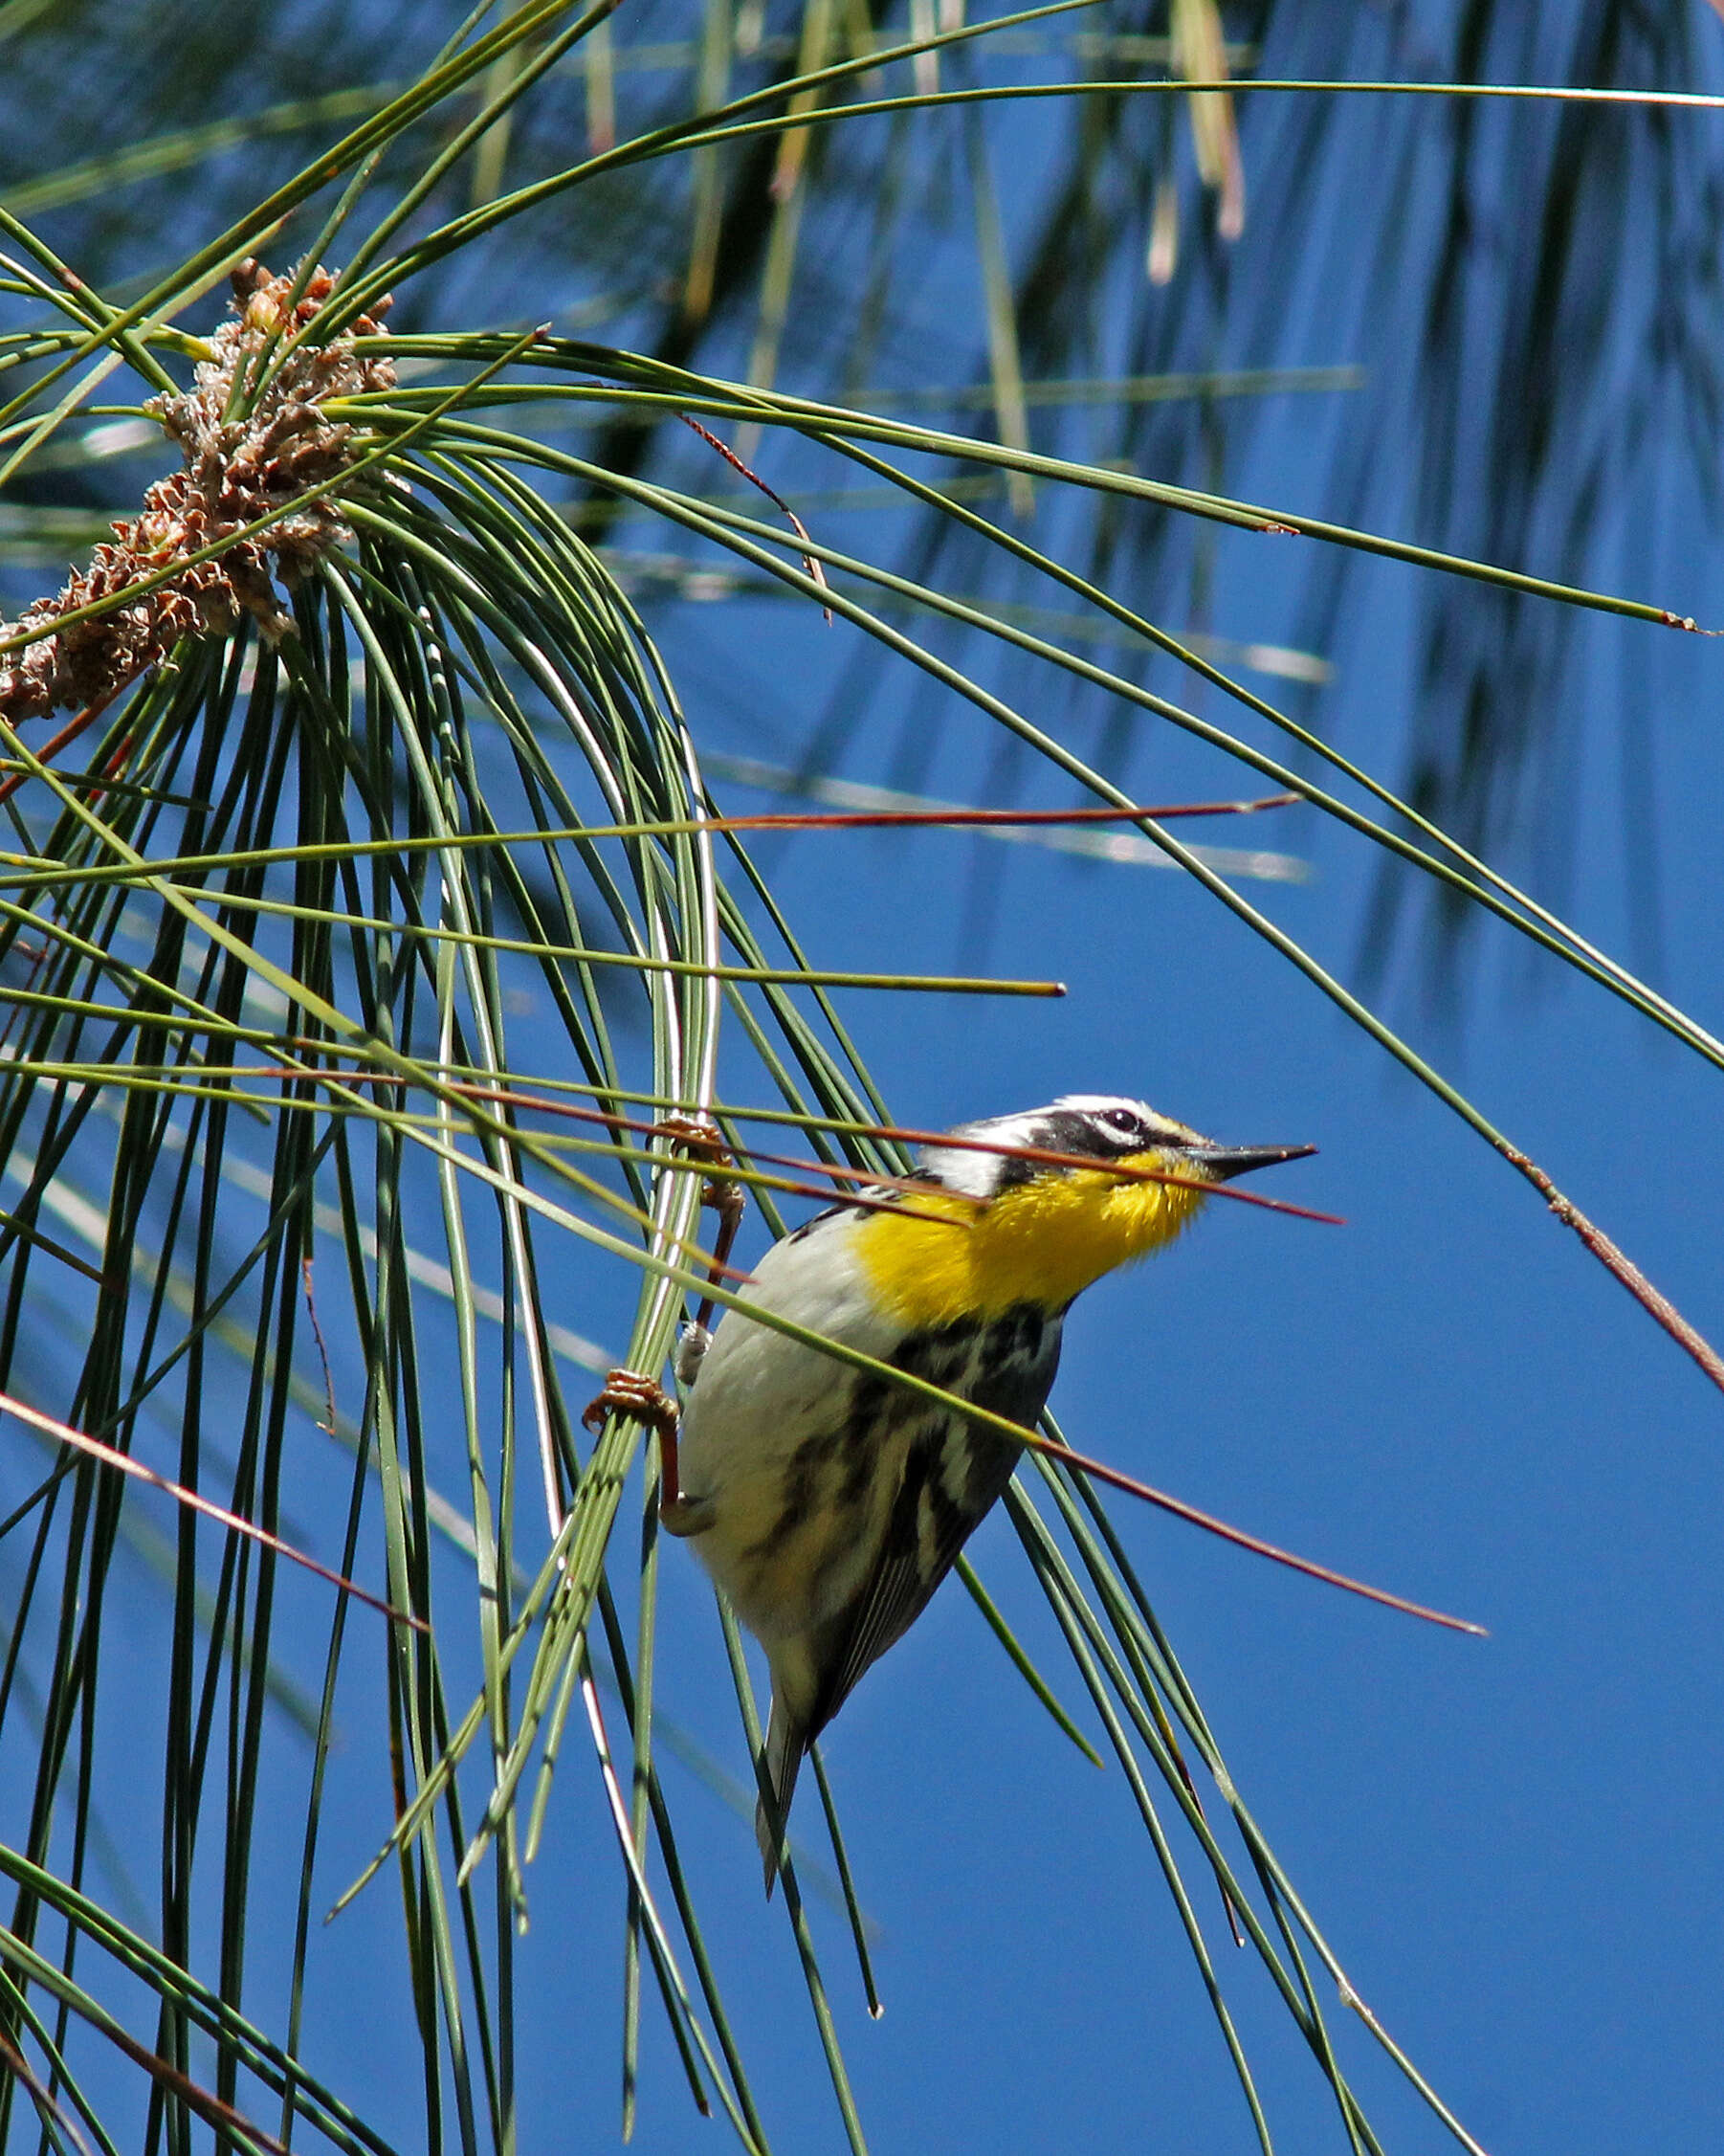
1225 1162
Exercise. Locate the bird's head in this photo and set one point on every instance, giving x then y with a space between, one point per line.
1011 1227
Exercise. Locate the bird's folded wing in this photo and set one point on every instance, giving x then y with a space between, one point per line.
905 1574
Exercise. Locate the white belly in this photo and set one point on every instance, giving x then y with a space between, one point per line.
753 1428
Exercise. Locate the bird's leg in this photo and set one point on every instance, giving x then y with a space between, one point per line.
702 1141
629 1393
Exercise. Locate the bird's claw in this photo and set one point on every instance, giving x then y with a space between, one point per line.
703 1141
633 1394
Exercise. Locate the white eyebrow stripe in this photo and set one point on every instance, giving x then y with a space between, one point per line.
1154 1121
1098 1104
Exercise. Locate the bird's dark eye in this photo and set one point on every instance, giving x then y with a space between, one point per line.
1123 1120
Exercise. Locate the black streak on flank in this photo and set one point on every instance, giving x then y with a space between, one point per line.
860 1436
950 1523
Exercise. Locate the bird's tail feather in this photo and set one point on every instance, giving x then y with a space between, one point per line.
785 1742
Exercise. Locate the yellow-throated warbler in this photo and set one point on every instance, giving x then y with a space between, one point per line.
827 1503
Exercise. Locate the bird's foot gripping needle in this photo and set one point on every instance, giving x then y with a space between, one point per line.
633 1394
629 1393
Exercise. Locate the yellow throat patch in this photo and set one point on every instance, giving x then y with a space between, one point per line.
1043 1241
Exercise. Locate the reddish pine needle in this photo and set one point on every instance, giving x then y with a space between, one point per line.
498 1096
1254 1542
50 749
964 819
816 574
109 1457
868 1179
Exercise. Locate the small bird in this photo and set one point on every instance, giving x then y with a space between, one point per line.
828 1504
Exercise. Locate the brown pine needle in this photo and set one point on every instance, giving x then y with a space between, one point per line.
963 820
317 1333
110 1456
1043 1157
870 1179
1617 1262
64 739
499 1096
1033 1442
816 573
